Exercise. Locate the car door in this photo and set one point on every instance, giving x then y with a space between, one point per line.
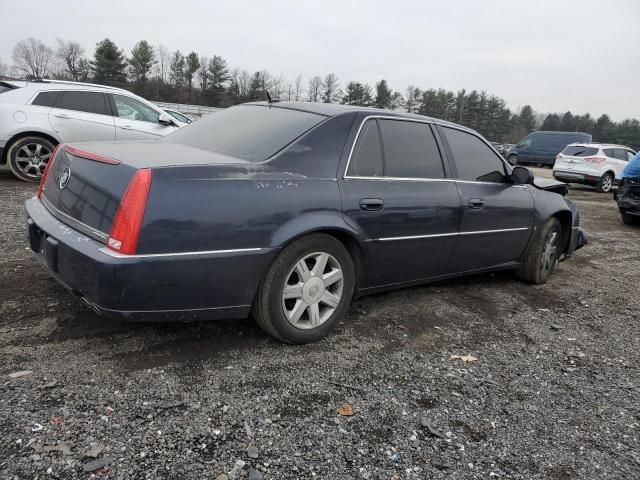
620 161
80 116
496 216
524 149
135 120
396 195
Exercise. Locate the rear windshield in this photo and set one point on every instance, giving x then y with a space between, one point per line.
5 87
250 132
578 151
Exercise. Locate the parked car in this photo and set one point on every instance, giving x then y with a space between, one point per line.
180 118
628 199
499 147
288 210
595 164
37 116
541 148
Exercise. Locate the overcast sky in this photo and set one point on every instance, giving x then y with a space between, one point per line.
556 55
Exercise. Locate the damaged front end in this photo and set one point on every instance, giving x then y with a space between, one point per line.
628 196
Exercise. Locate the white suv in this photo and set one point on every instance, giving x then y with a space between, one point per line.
596 164
36 116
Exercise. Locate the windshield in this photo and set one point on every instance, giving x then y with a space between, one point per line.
178 116
250 132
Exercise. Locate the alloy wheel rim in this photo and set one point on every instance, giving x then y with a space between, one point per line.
312 290
549 252
607 183
32 159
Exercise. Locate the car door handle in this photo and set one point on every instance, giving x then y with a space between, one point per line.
61 115
371 204
126 127
476 203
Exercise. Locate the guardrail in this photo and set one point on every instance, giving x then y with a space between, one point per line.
187 109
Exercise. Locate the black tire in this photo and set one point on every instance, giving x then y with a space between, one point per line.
513 159
538 265
269 306
19 160
605 184
629 219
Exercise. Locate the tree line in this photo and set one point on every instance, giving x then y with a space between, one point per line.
157 73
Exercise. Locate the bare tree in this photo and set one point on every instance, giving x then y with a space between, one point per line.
71 55
298 90
3 69
330 89
163 57
32 58
315 85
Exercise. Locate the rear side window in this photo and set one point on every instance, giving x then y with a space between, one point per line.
474 160
250 132
45 99
608 152
366 160
580 151
410 150
90 102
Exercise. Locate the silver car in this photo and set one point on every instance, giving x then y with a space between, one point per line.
37 116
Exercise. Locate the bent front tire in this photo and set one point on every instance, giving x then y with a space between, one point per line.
543 254
306 290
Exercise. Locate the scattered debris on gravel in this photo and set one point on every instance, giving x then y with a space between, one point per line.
473 378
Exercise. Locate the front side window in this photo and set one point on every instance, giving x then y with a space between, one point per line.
366 160
89 102
620 154
132 109
526 143
410 150
474 160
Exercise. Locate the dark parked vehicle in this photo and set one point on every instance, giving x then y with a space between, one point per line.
628 198
542 147
288 210
499 147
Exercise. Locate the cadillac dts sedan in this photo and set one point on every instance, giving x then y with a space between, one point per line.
286 211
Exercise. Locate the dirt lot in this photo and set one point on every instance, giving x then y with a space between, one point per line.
553 393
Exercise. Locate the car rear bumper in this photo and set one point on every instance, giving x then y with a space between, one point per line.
207 285
575 177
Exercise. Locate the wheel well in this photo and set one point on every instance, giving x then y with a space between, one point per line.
349 241
20 135
613 174
566 222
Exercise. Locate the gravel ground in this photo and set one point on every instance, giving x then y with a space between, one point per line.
553 393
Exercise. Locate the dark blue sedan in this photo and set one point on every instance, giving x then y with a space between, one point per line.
286 211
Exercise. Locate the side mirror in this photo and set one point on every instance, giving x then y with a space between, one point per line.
521 176
165 119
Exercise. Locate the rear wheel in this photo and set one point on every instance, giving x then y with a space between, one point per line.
629 219
28 157
605 184
543 254
306 291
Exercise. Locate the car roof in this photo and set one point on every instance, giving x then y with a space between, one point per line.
62 85
334 109
598 145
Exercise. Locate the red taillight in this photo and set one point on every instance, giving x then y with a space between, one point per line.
125 229
46 170
595 159
78 152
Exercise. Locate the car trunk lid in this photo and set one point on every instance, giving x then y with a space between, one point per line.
86 182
